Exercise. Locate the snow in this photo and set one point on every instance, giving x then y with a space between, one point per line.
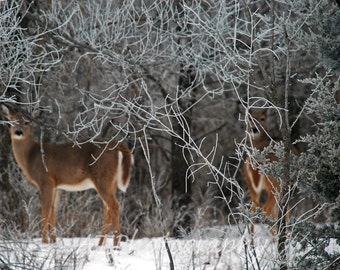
212 248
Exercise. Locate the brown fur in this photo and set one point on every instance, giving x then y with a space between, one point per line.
264 190
66 166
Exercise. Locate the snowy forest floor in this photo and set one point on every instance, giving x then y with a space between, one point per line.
215 248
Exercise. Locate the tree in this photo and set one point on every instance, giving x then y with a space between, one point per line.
320 176
166 77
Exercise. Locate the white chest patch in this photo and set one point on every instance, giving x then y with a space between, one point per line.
84 185
257 187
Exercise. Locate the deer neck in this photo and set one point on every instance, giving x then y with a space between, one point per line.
22 149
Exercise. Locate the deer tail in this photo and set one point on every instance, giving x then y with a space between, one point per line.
125 162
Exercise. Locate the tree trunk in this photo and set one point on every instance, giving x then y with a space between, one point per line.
181 186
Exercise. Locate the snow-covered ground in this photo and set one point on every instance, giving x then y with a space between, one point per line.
210 249
146 254
218 248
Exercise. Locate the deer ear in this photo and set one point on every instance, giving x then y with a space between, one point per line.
6 111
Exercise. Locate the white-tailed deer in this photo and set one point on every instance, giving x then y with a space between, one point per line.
54 167
264 189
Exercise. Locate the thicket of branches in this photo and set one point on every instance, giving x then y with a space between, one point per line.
167 78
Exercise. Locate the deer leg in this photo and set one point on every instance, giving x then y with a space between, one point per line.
112 216
116 223
54 206
107 224
252 234
112 221
47 196
271 209
252 227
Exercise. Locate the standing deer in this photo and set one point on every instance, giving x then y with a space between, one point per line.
264 189
54 167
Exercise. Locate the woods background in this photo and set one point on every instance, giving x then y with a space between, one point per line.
174 80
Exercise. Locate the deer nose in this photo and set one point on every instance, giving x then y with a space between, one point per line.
18 132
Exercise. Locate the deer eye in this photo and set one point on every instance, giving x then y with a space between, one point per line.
262 119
